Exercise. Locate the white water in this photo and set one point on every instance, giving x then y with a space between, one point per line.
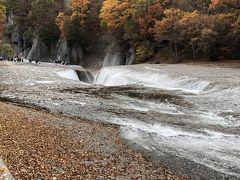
213 149
112 60
207 133
220 150
146 106
69 74
207 136
119 76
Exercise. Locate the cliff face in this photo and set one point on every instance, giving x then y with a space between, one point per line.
30 47
13 36
97 51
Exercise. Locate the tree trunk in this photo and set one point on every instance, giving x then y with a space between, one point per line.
194 53
176 50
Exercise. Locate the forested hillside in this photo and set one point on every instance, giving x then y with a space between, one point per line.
85 31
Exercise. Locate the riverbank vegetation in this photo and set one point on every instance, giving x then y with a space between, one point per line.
194 29
165 29
2 16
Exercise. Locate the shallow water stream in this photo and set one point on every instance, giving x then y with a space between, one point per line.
186 117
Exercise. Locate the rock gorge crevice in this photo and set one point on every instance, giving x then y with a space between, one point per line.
98 49
98 54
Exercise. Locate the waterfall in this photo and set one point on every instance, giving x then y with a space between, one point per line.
115 59
131 57
38 49
85 76
68 74
141 75
34 52
61 50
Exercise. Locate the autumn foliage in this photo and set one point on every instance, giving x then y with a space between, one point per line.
170 28
77 16
187 28
80 9
235 4
2 17
129 14
60 20
2 10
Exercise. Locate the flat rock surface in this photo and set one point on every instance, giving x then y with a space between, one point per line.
186 117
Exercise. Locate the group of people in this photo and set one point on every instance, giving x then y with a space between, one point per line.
62 62
36 61
18 59
15 59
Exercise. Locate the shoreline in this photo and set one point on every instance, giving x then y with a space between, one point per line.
33 147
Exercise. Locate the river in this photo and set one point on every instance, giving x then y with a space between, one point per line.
186 117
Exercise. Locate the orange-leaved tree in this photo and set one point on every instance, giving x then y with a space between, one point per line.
60 21
235 4
114 13
135 18
80 10
165 29
147 20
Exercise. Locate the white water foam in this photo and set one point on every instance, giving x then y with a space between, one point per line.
214 149
118 76
45 82
69 74
146 106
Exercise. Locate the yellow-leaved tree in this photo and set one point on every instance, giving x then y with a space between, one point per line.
115 13
72 24
2 16
136 19
80 10
2 10
129 15
60 21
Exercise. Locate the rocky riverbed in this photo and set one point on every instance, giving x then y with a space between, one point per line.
185 117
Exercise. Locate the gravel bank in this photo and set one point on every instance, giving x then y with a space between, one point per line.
38 145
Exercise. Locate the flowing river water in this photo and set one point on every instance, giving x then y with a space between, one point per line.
183 116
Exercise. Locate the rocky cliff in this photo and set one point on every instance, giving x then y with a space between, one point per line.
96 52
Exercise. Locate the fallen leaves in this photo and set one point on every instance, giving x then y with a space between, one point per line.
39 145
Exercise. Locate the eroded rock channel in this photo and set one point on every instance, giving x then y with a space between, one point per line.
187 120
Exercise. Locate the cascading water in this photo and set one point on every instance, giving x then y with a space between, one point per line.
119 58
83 76
119 76
131 57
69 74
113 59
187 117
